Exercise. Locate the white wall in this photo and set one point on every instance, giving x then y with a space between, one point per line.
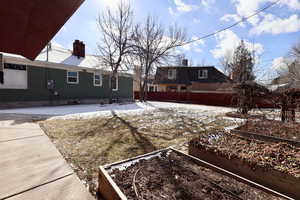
14 79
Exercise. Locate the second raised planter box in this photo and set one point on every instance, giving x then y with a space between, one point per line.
276 166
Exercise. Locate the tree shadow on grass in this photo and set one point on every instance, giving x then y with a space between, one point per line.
98 128
144 144
183 124
141 140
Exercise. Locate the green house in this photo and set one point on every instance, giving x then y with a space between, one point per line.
59 76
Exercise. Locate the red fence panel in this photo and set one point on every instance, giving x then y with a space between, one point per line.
205 98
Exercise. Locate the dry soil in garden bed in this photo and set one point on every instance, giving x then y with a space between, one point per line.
290 130
173 176
278 156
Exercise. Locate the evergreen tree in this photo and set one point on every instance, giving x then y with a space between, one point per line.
242 64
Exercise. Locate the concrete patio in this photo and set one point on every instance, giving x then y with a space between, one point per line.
30 165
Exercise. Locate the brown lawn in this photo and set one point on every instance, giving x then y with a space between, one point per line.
87 144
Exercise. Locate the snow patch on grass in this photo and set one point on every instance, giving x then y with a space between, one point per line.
137 108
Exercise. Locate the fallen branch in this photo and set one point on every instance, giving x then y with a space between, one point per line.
225 190
133 183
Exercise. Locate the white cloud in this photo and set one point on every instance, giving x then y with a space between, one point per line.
186 47
183 7
228 41
276 25
232 17
280 64
292 4
198 42
245 8
172 12
207 3
195 46
196 20
198 50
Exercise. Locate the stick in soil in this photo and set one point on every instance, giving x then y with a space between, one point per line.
225 190
133 183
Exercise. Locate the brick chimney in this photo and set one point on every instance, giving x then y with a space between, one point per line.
82 49
78 49
185 62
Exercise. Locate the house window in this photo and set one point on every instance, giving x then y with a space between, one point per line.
14 76
202 74
72 77
114 83
97 79
172 74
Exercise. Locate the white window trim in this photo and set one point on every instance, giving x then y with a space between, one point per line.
117 84
100 74
77 82
173 77
203 77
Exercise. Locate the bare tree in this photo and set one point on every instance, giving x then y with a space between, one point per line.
293 66
178 59
226 63
115 27
289 72
295 52
153 45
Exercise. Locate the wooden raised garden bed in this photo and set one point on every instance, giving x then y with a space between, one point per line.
273 165
244 116
270 131
170 174
264 137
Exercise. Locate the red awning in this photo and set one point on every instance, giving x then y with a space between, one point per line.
26 26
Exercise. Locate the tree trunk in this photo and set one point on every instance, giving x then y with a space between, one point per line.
110 100
146 89
141 91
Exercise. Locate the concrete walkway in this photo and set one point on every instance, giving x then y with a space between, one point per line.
31 168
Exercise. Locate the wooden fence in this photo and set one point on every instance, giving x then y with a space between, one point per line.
205 98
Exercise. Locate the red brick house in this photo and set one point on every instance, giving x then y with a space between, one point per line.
191 79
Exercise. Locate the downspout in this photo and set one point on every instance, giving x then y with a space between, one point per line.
47 58
48 48
47 75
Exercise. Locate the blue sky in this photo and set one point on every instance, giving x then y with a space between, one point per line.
271 33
